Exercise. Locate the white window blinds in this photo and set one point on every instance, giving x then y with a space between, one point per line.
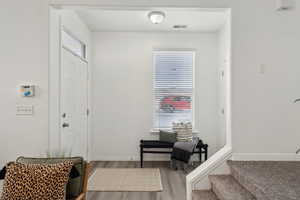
173 87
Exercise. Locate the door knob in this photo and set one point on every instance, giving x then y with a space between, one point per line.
65 125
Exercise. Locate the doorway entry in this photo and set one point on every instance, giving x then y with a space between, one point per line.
69 87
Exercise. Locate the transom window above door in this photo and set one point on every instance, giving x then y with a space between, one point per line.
173 88
72 44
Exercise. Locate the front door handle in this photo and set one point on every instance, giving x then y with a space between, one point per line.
65 125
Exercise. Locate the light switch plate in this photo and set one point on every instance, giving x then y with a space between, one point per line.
24 109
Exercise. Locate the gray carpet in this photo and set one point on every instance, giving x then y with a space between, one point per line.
225 187
261 180
204 195
269 180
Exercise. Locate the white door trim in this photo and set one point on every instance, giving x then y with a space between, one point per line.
55 50
54 80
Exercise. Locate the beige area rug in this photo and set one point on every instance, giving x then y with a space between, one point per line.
125 180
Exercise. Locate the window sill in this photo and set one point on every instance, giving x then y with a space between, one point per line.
156 131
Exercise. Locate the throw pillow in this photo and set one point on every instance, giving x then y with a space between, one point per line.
167 136
184 131
75 184
36 181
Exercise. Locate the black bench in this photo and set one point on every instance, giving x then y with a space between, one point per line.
155 144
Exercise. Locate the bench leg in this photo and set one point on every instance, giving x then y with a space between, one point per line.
141 156
206 153
200 155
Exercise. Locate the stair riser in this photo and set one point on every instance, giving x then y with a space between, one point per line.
227 188
217 193
204 195
253 189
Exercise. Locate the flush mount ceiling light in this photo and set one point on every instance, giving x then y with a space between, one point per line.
156 17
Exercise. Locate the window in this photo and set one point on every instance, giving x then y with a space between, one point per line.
173 87
72 44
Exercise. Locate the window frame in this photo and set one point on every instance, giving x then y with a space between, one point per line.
154 114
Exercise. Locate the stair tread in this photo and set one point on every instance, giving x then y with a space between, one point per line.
270 180
204 195
227 188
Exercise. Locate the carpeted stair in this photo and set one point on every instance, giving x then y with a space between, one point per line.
204 195
255 180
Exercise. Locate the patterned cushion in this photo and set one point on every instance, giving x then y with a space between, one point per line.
184 131
36 181
1 186
75 185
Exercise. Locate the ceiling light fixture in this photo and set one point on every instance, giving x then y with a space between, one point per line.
156 17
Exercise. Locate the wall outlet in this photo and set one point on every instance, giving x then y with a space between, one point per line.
24 109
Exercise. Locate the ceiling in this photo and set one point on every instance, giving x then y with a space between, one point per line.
137 20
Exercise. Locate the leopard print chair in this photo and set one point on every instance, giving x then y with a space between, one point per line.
76 187
1 186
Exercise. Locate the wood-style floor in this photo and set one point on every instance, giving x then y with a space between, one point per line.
173 183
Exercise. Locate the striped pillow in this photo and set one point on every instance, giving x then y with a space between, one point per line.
184 131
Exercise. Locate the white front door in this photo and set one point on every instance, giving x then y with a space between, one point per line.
74 87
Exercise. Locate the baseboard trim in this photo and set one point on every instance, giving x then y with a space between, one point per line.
266 156
147 157
128 158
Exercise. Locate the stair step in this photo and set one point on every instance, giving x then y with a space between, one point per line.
268 180
227 188
204 195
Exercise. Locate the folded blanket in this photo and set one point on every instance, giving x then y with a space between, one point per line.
182 151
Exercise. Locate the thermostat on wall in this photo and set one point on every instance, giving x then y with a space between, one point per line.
27 90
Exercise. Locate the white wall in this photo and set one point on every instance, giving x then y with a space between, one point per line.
264 118
23 59
122 89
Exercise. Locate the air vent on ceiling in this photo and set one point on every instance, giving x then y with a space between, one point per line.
180 26
285 5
